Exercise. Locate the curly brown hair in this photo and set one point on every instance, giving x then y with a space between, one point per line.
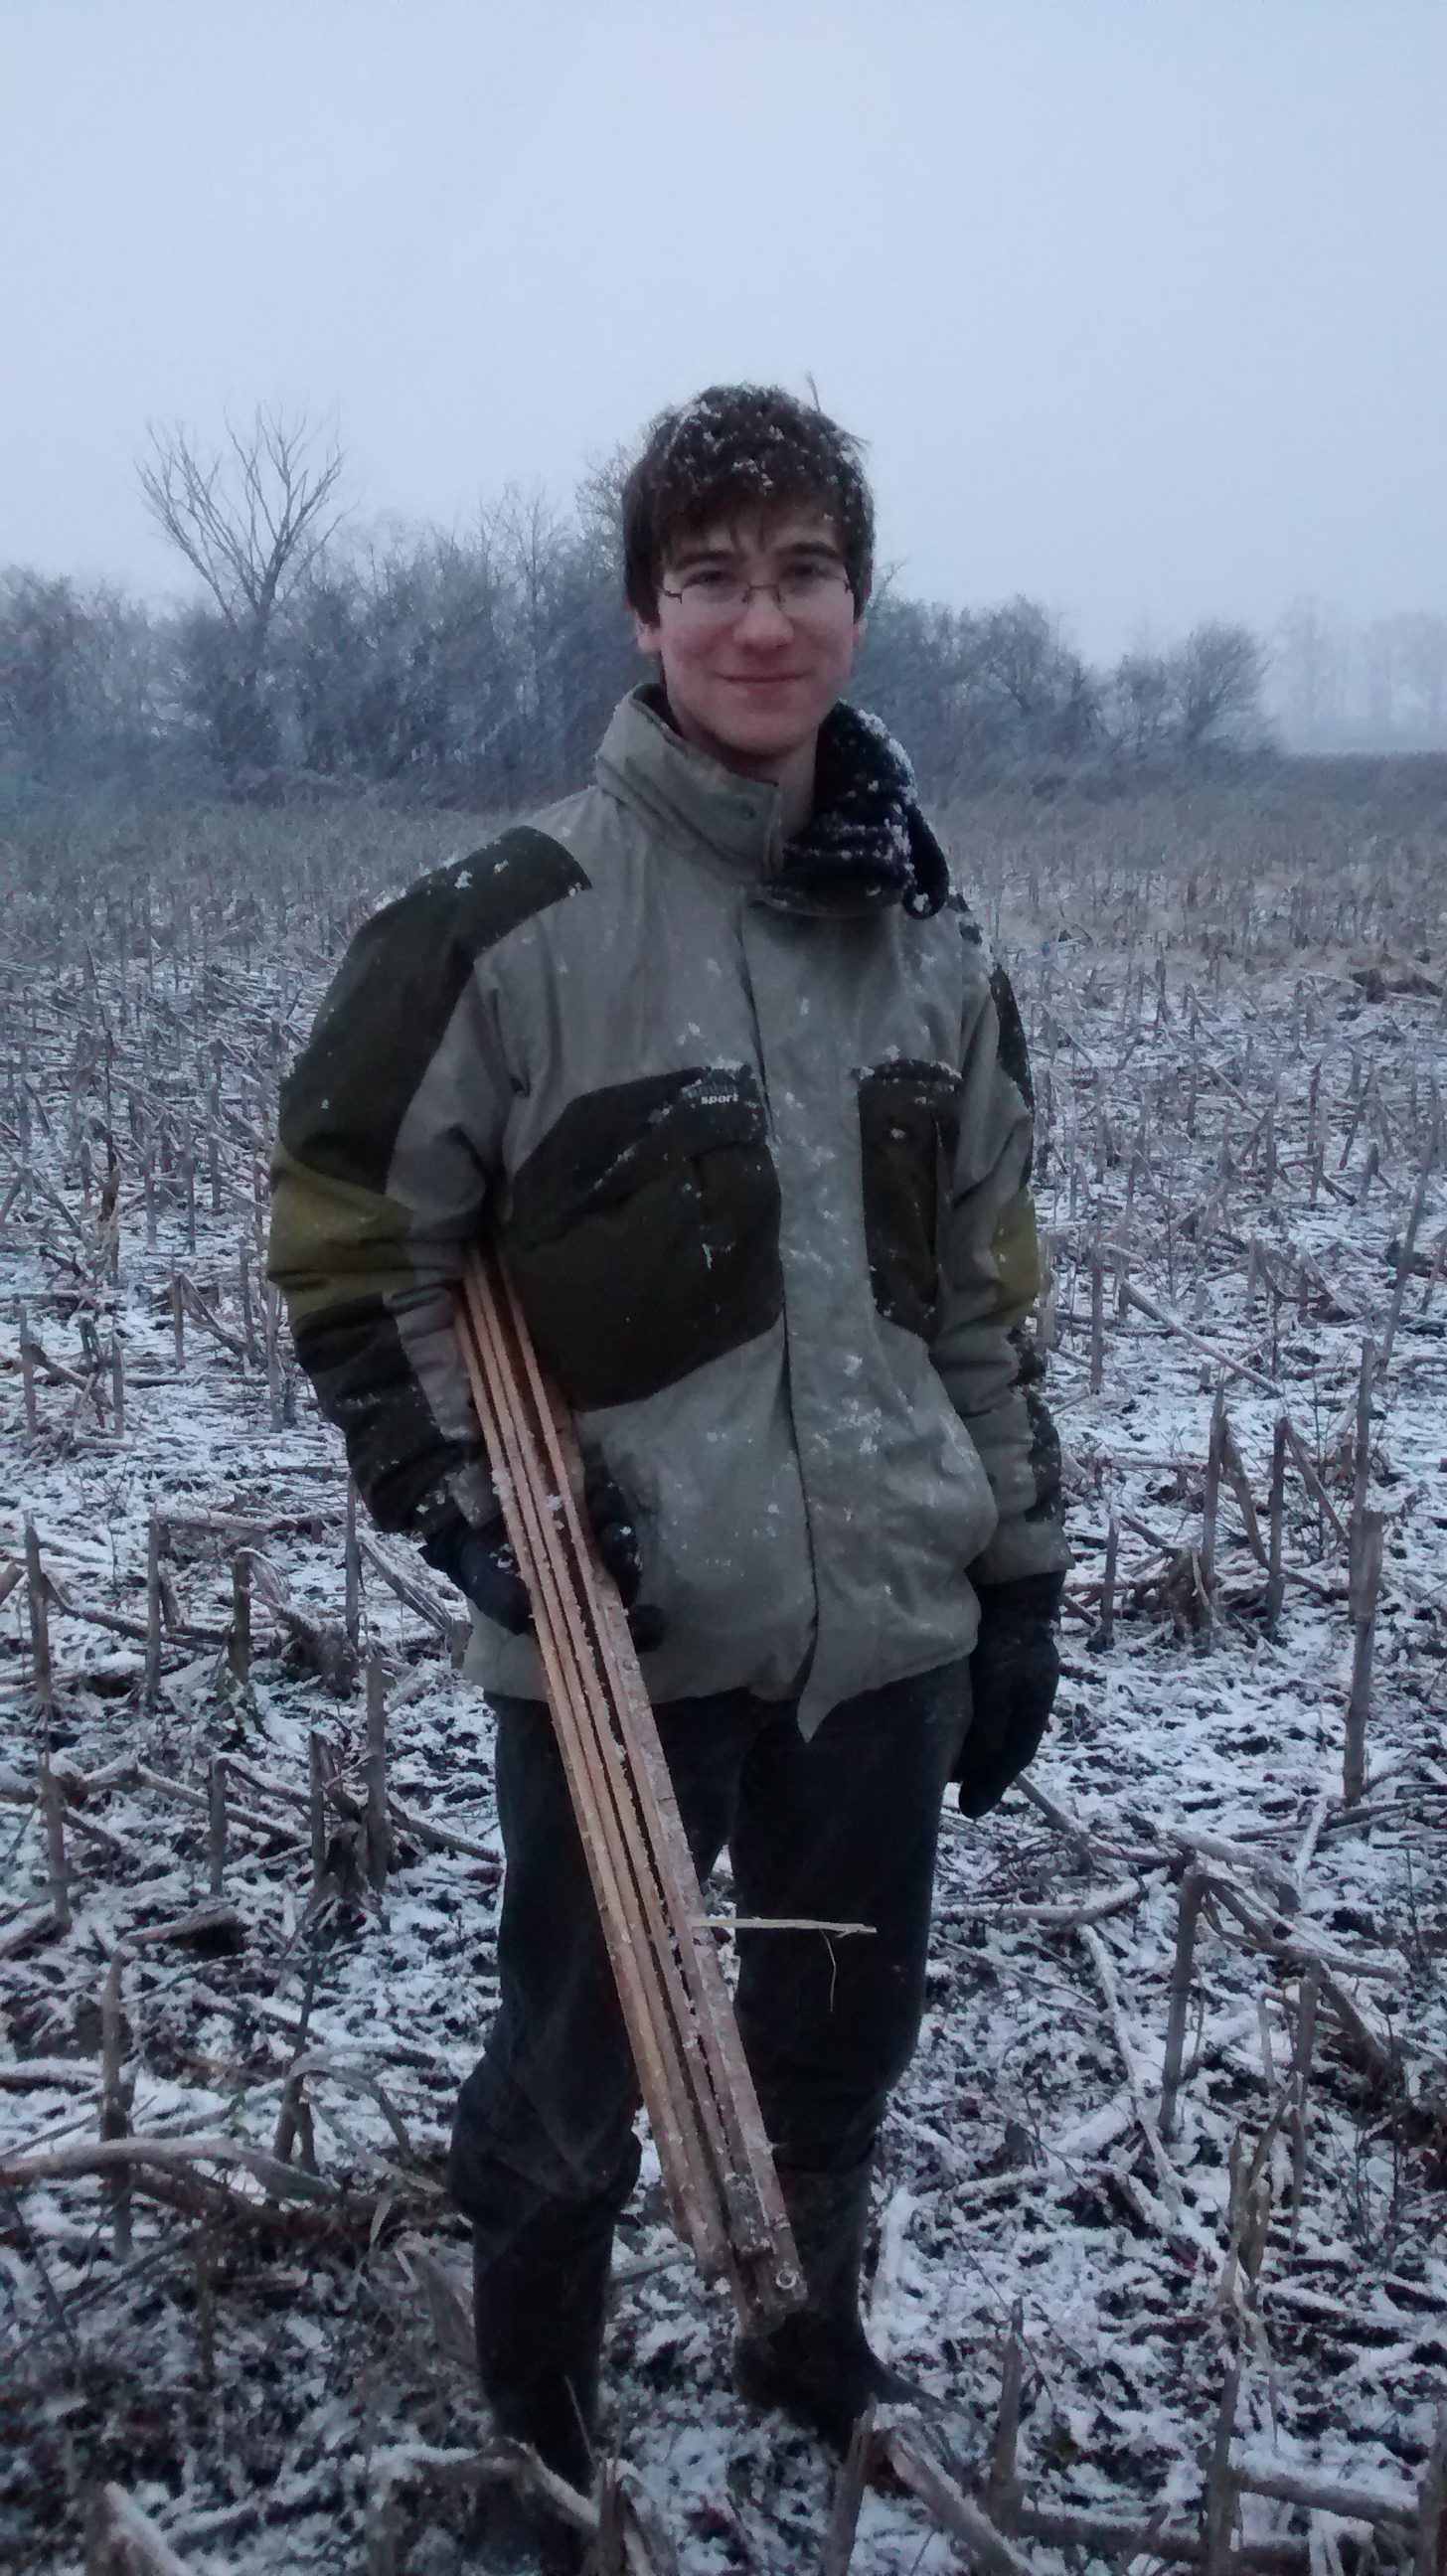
738 448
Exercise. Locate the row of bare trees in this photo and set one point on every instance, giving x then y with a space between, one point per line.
479 666
1377 687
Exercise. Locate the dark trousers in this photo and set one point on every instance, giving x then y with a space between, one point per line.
841 1829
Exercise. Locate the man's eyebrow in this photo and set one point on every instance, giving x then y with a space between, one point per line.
704 550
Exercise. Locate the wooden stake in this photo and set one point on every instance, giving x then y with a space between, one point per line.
695 2081
1104 1636
1210 1512
59 1867
379 1832
273 1356
1097 1317
1276 1524
1221 2489
1366 1585
155 1544
1360 1098
41 1666
1194 1887
1432 2508
849 2486
238 1647
118 1388
1047 1332
1306 2002
243 1284
203 2256
629 1901
27 1377
1234 1468
178 1318
1362 1456
114 2117
1313 1483
216 1838
320 1769
1001 2495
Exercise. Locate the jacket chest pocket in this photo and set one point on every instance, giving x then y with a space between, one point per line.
909 1133
643 1232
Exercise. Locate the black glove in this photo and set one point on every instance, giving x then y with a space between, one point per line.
481 1563
1013 1675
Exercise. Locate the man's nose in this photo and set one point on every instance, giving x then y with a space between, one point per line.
762 620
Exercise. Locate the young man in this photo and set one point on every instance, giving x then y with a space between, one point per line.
716 1047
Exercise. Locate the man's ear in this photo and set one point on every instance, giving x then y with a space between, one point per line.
648 635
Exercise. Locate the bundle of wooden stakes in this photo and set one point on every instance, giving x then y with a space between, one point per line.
717 2165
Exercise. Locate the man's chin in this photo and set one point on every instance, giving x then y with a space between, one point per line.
763 732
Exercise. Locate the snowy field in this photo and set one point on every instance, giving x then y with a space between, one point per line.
1237 1039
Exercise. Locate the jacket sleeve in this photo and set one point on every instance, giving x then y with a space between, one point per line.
985 1349
389 1137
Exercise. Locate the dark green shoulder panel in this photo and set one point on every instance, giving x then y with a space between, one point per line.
393 997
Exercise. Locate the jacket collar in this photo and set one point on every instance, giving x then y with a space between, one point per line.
647 764
866 847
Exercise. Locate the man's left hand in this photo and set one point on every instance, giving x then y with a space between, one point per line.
1013 1675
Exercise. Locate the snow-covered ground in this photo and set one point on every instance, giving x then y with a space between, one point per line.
240 2374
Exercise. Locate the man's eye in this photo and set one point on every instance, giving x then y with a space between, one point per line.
711 584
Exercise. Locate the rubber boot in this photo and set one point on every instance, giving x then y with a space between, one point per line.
540 2297
817 2363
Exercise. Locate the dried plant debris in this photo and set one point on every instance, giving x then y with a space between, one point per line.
1161 2198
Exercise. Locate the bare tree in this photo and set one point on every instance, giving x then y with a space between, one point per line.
1380 649
1215 683
1422 660
1022 657
44 633
1311 664
1141 702
250 520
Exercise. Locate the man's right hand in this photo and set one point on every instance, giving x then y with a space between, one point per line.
481 1563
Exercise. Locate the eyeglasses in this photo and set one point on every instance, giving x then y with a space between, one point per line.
714 597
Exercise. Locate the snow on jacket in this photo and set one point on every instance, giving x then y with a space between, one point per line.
761 1173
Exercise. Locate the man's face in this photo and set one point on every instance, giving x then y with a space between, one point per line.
754 676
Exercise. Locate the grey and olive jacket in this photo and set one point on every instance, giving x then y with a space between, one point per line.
761 1172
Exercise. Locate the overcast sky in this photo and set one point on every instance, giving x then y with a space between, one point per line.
1140 304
